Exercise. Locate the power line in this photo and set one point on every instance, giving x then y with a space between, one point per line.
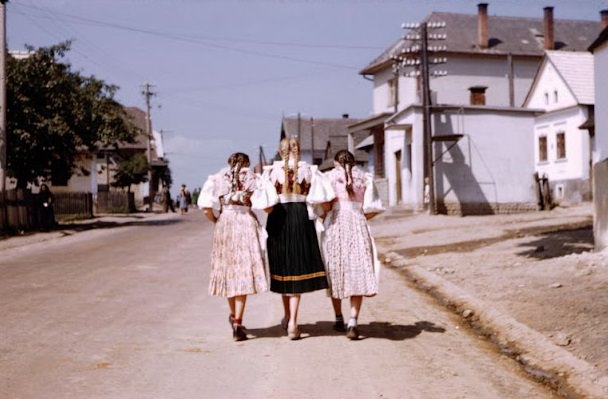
185 39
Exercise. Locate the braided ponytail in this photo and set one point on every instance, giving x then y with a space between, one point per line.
284 153
294 151
347 160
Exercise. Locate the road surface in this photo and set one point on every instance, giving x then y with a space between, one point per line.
123 312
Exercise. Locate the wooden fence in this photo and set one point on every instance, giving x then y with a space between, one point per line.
115 202
18 210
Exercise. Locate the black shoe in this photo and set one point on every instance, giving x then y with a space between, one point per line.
238 333
339 326
352 333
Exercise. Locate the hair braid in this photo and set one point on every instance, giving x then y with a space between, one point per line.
294 151
347 160
284 153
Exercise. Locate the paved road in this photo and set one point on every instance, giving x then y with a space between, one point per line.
123 313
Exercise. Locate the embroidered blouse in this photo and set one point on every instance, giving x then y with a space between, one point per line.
363 188
311 186
223 189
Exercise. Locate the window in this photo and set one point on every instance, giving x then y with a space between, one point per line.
393 94
542 149
561 145
546 98
555 96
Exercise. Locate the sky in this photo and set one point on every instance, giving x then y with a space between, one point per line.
224 72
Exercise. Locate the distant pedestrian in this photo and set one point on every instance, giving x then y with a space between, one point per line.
348 246
184 199
166 199
46 208
237 261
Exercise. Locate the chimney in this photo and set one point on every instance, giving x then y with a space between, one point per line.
478 95
482 25
604 20
344 116
548 24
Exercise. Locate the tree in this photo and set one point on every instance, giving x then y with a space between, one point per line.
133 170
54 113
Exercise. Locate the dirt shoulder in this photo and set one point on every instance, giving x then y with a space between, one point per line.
538 267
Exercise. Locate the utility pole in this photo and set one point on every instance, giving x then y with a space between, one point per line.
3 135
417 56
426 119
147 95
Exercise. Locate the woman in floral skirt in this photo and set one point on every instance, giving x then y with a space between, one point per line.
349 250
237 260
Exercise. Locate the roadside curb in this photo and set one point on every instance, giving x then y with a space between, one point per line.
569 375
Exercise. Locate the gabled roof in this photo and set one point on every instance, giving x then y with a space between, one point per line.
575 69
507 35
317 130
602 38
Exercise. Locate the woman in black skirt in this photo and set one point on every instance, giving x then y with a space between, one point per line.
292 187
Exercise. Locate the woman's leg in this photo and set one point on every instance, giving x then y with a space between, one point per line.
285 320
238 331
231 302
239 307
292 326
336 303
355 308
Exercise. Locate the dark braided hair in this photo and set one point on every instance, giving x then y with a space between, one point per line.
237 161
347 160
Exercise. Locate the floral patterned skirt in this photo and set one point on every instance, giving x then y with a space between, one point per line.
237 261
347 247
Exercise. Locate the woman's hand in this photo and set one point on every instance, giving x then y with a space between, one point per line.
210 215
371 215
268 210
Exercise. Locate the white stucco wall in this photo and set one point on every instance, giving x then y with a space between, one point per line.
381 92
493 163
464 72
550 84
576 165
405 132
600 56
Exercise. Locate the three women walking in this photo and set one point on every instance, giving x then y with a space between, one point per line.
297 198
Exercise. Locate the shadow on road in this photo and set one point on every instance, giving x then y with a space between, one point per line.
381 330
559 243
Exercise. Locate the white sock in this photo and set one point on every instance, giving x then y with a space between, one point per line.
352 322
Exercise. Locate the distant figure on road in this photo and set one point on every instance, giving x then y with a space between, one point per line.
184 199
166 199
237 261
46 210
350 255
294 255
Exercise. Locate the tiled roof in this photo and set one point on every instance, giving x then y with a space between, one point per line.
317 130
576 68
514 35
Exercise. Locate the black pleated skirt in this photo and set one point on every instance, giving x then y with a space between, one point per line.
294 257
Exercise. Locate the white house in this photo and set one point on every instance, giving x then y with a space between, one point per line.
599 48
491 63
564 89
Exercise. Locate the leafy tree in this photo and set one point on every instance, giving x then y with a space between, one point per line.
133 170
53 113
